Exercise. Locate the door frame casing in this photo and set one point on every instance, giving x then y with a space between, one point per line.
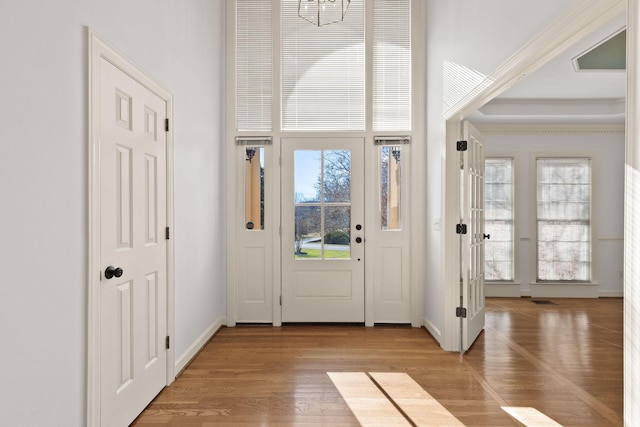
99 49
577 21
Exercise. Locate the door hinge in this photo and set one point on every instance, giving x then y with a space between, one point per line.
167 343
166 125
461 228
461 146
167 233
461 312
280 299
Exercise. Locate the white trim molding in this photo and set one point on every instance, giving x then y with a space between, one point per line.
431 328
564 290
576 22
552 129
503 290
195 348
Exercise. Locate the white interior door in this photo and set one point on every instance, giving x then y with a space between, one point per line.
133 248
323 230
472 201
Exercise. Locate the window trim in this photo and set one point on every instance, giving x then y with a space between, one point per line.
534 218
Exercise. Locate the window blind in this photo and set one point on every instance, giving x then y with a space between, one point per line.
392 65
498 219
254 58
323 71
564 219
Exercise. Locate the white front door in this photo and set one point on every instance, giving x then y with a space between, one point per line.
323 230
472 204
133 248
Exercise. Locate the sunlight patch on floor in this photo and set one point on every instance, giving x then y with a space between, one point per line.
530 417
388 399
369 405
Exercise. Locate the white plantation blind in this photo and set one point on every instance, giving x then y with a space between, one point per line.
254 58
323 71
392 65
498 219
564 219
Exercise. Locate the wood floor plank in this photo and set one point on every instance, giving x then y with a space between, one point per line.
564 360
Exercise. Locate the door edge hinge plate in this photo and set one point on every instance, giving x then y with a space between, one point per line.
461 145
167 342
167 233
166 125
461 312
461 228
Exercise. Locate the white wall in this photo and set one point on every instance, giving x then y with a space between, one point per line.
607 149
477 36
43 184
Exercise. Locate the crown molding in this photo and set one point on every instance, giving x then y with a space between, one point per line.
552 129
577 21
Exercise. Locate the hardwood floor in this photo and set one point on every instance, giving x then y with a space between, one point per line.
563 359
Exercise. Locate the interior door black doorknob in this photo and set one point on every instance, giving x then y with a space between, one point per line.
112 272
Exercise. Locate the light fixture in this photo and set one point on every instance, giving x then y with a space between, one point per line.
322 12
250 151
395 152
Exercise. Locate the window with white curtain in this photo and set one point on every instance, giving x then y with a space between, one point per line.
498 219
254 59
391 65
323 71
563 219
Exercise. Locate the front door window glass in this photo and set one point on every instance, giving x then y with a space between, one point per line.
322 204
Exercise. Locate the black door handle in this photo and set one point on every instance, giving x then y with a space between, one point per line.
487 236
112 272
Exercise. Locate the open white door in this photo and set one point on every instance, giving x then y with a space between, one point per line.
472 241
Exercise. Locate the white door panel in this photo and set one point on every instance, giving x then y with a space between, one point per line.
133 306
473 240
322 192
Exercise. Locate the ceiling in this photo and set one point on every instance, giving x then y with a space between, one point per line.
559 93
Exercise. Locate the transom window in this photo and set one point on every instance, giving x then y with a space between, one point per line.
323 76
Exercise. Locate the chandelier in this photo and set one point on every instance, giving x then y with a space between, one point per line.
322 12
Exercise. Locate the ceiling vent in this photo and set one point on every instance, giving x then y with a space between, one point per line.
608 55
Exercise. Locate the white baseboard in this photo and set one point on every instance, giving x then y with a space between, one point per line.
506 290
435 332
556 290
199 343
611 294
